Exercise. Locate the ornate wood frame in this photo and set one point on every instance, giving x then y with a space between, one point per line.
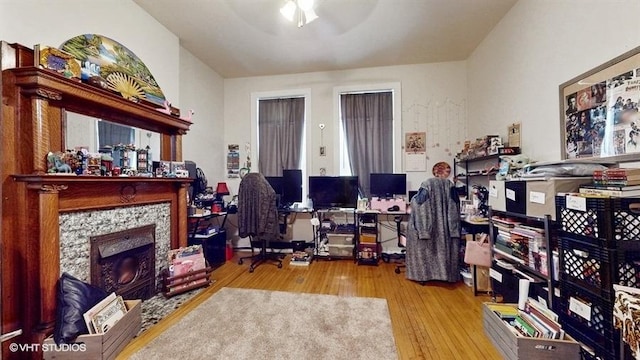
34 102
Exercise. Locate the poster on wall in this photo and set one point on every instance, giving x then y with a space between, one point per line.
415 142
233 161
415 146
599 110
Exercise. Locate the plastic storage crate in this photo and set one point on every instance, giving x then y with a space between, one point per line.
596 332
626 219
588 266
591 223
628 265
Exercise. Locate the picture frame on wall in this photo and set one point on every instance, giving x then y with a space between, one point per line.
599 112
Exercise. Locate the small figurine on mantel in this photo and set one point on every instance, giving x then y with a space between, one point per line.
55 164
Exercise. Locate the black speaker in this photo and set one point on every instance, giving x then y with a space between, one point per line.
191 168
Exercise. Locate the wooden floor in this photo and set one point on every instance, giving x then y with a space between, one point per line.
435 321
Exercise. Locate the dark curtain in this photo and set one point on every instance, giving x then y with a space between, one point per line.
367 120
110 134
280 127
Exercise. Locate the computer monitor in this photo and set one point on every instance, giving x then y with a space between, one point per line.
291 186
276 183
333 191
388 185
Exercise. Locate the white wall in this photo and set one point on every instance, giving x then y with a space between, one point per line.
433 100
178 72
202 90
514 74
50 23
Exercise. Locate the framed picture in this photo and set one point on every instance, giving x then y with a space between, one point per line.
599 111
57 60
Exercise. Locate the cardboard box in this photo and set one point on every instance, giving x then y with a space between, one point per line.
102 346
515 193
514 347
368 238
497 199
541 195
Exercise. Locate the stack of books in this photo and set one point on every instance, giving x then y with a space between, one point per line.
536 320
617 177
300 258
616 182
611 190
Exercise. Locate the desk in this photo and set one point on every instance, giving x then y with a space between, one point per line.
473 228
213 244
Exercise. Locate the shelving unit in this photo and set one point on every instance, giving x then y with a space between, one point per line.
519 264
336 234
491 161
368 246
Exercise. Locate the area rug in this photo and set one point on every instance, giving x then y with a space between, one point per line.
158 307
261 324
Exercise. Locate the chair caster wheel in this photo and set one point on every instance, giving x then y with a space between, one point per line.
397 271
280 266
240 262
250 269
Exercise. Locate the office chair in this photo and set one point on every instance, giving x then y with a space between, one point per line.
258 218
402 243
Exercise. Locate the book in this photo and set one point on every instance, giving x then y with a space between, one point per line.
613 193
89 315
109 315
612 187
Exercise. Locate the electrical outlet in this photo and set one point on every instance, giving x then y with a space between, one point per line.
323 151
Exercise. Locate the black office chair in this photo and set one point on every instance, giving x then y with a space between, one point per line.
402 242
258 218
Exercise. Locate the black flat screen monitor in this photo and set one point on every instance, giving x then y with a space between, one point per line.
388 185
333 191
291 186
276 183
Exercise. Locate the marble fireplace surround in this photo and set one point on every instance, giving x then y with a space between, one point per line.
76 228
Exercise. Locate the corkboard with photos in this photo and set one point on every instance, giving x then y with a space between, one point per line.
599 111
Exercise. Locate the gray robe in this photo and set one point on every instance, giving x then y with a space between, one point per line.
433 233
257 210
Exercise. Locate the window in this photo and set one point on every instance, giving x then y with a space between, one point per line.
367 128
110 134
280 134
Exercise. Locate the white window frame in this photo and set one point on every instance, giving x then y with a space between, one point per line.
396 90
306 154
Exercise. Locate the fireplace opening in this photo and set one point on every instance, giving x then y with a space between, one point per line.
124 262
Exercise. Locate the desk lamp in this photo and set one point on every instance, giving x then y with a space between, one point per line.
221 190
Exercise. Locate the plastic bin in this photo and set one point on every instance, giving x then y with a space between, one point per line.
597 330
587 265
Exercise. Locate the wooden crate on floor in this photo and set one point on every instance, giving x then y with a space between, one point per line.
514 347
101 346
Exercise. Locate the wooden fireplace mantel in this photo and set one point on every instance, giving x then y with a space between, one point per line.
32 119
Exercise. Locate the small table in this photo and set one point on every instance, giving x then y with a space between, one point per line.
214 245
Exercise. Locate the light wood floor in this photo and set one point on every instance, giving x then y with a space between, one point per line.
435 321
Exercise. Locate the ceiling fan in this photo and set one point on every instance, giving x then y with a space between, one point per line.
300 10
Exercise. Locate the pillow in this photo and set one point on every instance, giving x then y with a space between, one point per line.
74 298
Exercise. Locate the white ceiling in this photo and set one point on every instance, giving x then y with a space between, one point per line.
239 38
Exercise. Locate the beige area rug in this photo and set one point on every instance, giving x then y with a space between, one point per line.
260 324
